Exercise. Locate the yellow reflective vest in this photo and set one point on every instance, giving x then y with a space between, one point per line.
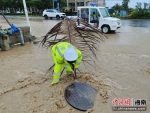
59 60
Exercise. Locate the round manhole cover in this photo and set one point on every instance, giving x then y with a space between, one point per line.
80 95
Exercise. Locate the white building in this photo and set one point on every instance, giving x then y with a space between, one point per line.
73 4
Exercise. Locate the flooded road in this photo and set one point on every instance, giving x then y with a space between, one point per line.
137 23
127 39
38 27
124 66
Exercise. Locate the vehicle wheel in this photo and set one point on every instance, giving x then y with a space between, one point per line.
105 29
46 17
62 18
58 17
51 18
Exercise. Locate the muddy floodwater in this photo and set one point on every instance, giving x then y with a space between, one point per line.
123 71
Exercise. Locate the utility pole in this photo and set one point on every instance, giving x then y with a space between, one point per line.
26 13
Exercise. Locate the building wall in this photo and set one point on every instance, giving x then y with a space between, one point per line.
75 3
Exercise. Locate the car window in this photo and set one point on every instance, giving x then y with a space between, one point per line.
49 11
57 11
104 12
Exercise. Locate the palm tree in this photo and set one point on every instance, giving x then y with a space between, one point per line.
86 38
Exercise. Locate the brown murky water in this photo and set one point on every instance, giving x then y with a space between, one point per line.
124 65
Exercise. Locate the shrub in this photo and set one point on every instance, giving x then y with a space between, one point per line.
135 14
116 15
140 14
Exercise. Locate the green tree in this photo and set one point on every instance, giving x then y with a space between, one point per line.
17 4
125 4
63 3
14 5
138 6
117 8
149 6
141 13
1 4
145 6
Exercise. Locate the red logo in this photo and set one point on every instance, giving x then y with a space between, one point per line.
121 102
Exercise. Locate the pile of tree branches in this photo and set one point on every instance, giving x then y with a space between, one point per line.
80 34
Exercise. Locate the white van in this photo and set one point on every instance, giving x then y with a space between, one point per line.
99 18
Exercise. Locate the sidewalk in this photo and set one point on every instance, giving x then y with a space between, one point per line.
23 17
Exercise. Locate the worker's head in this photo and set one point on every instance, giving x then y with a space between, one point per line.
70 55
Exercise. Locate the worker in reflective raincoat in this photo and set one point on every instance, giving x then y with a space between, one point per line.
65 55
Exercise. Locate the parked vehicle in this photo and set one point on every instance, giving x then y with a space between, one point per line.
99 18
19 11
53 13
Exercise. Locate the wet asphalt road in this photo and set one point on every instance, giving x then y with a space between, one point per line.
136 23
144 23
132 38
